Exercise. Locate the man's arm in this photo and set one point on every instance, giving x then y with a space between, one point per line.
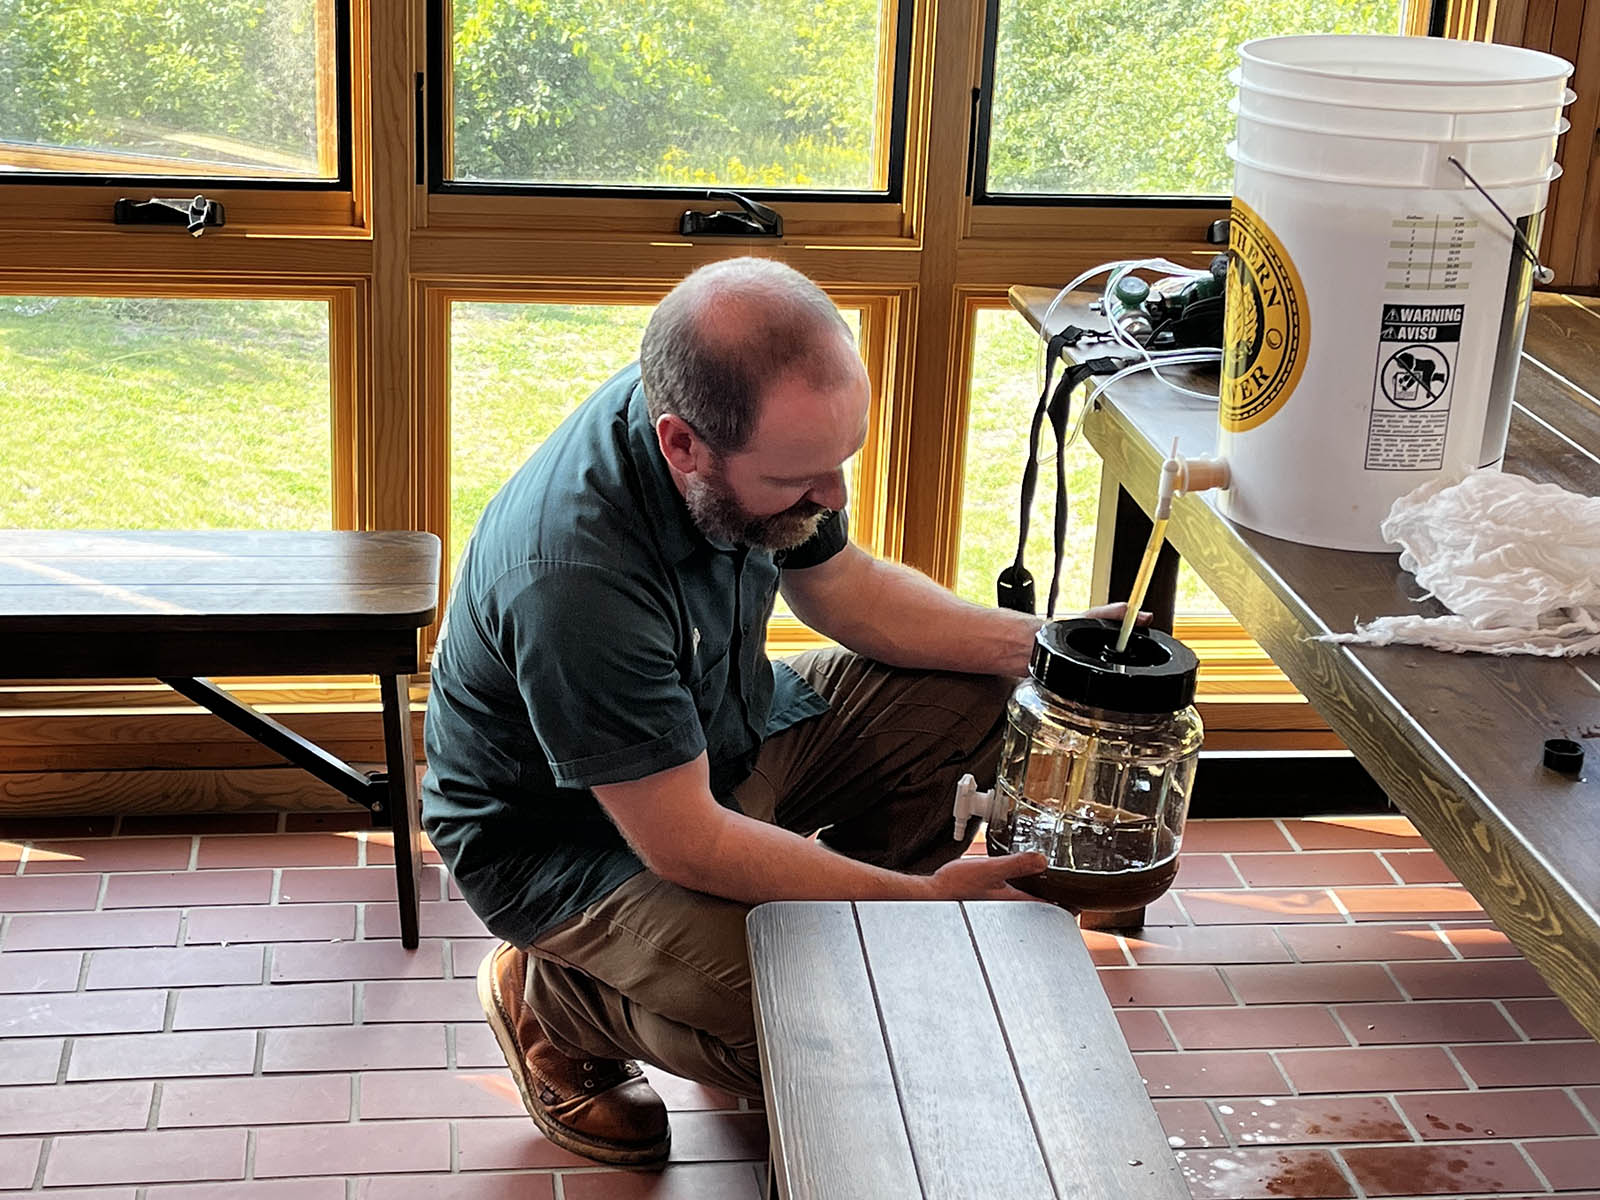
901 617
682 834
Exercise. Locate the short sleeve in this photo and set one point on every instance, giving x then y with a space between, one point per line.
595 658
828 540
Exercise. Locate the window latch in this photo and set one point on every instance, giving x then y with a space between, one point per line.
757 220
194 215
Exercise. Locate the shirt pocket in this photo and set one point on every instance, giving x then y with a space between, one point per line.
708 680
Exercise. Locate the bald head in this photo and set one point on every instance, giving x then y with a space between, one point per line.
727 333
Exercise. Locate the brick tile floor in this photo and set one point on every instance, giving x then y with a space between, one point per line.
218 1007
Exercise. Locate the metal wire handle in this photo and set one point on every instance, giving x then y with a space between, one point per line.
1540 272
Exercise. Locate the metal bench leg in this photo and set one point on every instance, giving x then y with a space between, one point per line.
405 809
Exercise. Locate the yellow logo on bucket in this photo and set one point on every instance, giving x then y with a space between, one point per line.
1266 327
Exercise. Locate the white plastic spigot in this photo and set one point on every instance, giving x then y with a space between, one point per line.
970 802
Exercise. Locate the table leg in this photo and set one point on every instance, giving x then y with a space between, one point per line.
405 808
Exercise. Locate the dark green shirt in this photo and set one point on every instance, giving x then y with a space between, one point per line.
594 635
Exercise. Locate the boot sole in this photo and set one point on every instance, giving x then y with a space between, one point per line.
606 1152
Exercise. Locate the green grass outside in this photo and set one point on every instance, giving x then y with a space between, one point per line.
153 413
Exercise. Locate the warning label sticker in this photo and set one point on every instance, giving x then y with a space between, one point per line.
1417 347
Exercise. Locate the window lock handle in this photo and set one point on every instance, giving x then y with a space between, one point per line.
757 220
194 214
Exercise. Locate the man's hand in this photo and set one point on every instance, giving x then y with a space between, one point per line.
985 878
1115 612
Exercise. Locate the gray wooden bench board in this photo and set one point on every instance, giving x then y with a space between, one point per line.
946 1050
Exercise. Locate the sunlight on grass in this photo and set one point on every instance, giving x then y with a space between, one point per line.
143 413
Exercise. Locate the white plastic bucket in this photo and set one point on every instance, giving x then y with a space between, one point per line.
1394 118
1410 73
1396 160
1376 298
1365 326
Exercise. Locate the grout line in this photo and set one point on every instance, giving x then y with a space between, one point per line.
1389 867
358 1013
1394 1102
1350 1177
1450 1053
194 852
100 892
258 1064
66 1055
44 1162
354 1115
1500 1007
250 1154
83 971
170 1012
558 1186
1593 1117
455 1147
155 1106
1517 1146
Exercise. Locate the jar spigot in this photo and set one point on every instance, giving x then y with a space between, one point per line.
970 802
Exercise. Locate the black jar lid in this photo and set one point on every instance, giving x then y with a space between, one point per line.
1077 660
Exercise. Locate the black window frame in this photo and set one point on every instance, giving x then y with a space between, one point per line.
342 181
431 156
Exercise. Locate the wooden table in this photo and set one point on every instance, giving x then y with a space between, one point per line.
946 1050
181 605
1455 740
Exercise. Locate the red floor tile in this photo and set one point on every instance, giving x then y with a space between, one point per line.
40 971
146 1157
367 1148
380 849
1458 1116
109 854
480 1185
1207 944
47 894
450 919
466 954
1497 979
270 1189
10 856
1544 1020
476 1048
1435 1021
354 1048
1143 1029
1236 836
19 1161
1573 1163
507 1144
1531 1064
1439 1170
77 1013
1589 1097
280 850
31 1060
1257 1027
265 1006
1311 983
719 1137
303 962
1409 903
1278 906
1105 949
1163 987
686 1182
163 1055
254 1100
1325 1119
1478 940
399 1000
1355 833
1206 871
187 966
1364 943
1370 1069
91 931
1257 1174
324 885
1190 1124
78 1108
387 1095
278 923
1419 866
683 1095
186 889
1321 868
1209 1073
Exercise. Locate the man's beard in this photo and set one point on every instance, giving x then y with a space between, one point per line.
718 514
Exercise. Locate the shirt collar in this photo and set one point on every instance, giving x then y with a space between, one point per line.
675 528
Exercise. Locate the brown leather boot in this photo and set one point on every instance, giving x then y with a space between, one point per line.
601 1108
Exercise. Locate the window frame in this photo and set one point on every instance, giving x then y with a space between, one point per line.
82 200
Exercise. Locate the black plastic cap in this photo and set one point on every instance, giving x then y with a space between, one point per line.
1564 755
1077 660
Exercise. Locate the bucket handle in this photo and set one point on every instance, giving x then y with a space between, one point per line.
1236 77
1540 272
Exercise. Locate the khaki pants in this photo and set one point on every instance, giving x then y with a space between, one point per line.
661 973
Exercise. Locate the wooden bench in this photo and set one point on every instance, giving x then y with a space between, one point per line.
178 606
945 1050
